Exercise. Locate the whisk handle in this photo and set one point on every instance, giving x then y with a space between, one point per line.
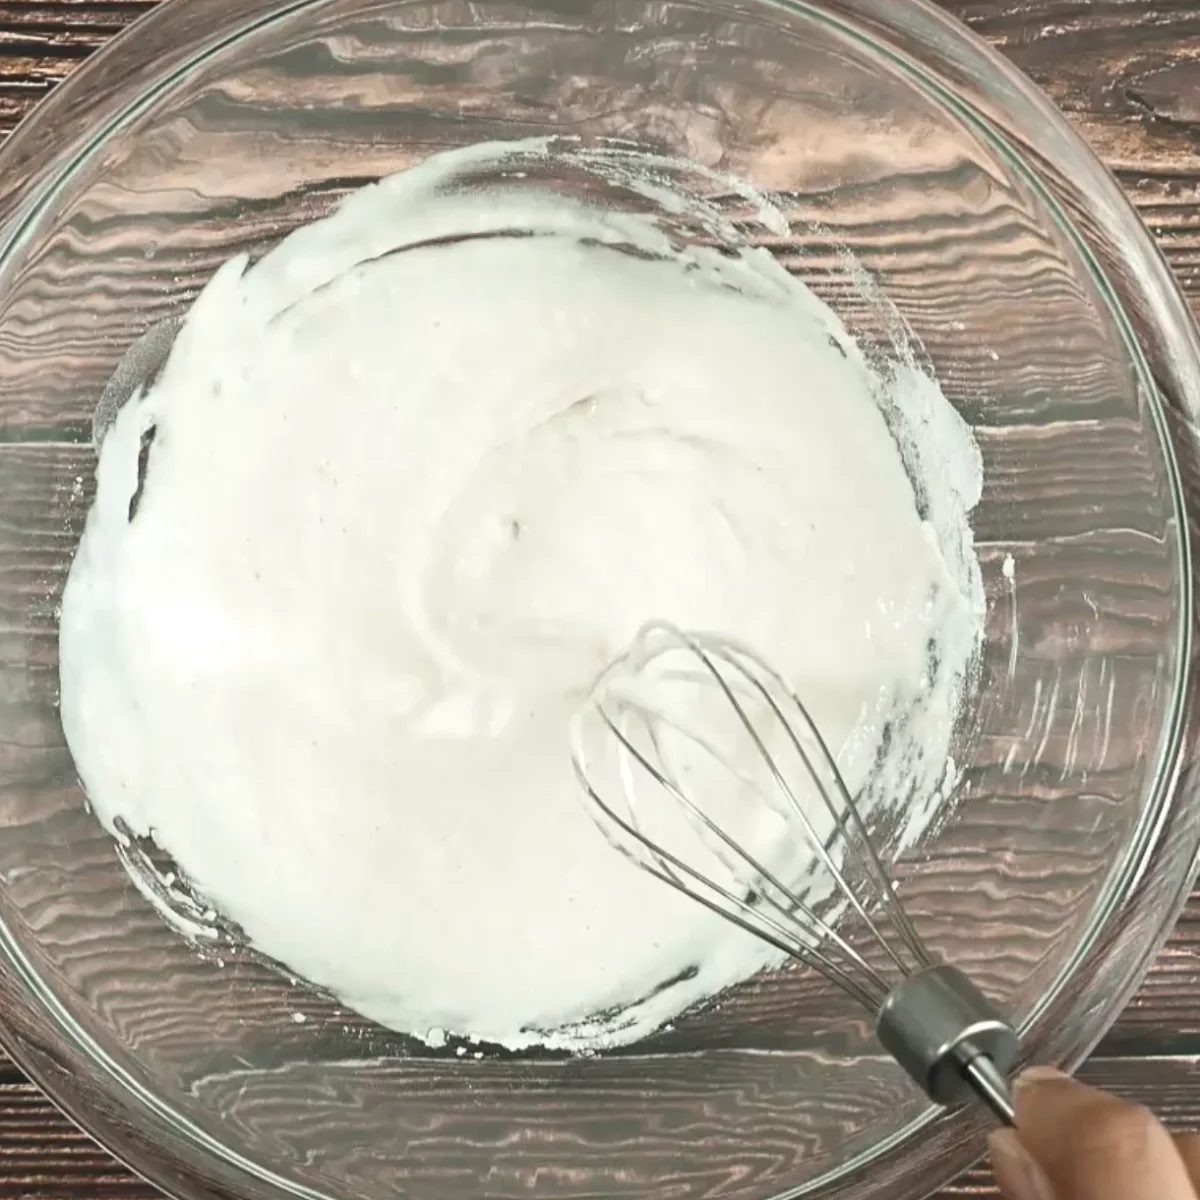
949 1037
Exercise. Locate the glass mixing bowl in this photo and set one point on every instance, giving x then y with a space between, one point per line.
880 128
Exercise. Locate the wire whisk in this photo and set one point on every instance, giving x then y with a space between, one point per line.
699 763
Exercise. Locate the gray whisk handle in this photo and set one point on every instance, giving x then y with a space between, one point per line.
949 1037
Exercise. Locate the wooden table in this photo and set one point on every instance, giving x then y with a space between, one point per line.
1127 72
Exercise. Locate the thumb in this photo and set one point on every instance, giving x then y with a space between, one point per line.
1075 1143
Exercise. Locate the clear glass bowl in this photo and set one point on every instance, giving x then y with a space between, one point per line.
882 128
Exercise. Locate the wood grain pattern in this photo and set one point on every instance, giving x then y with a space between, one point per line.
1127 72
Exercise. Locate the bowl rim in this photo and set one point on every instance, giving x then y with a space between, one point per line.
988 94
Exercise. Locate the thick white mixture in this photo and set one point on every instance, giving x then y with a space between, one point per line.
401 508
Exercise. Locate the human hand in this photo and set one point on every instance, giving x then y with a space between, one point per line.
1075 1143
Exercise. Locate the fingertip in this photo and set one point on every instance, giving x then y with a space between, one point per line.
1046 1094
1032 1076
1045 1078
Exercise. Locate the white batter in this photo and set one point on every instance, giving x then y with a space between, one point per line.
399 511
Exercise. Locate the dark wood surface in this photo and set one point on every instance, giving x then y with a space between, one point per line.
1127 72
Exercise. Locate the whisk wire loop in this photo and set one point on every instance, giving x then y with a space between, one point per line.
736 910
769 887
933 1021
706 653
846 810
